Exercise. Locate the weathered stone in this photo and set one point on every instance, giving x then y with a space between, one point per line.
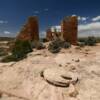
30 31
49 36
52 35
69 29
59 77
72 91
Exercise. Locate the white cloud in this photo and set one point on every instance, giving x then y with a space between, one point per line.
96 18
90 26
74 15
43 34
7 32
3 22
82 18
36 12
58 28
89 29
46 9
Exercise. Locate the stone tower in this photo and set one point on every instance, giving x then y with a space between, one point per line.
30 30
69 29
49 35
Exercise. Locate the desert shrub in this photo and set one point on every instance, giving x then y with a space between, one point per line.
90 41
40 46
3 52
21 48
54 46
10 58
66 45
98 39
57 44
43 40
81 44
82 39
19 51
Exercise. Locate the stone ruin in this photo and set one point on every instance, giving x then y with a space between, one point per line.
30 30
49 36
69 30
52 35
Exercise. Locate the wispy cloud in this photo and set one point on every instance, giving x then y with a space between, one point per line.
80 18
7 32
3 22
92 28
96 18
46 9
36 12
57 27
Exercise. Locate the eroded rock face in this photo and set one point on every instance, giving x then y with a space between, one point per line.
69 29
30 30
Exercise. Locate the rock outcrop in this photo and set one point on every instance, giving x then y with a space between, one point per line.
69 29
30 30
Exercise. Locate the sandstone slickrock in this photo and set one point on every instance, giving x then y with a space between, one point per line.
69 29
59 77
30 30
22 79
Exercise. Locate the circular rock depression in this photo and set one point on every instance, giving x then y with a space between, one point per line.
59 77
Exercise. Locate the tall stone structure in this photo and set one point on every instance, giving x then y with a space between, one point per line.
49 36
69 29
30 30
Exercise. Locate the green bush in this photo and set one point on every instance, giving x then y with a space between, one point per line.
10 58
3 52
66 45
19 51
40 46
21 48
81 44
54 46
90 41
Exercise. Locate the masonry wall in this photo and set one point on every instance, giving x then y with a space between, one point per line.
69 29
30 30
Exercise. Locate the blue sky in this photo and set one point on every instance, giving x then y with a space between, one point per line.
14 13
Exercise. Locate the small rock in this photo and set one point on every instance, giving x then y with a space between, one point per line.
1 94
68 63
60 65
72 91
77 60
